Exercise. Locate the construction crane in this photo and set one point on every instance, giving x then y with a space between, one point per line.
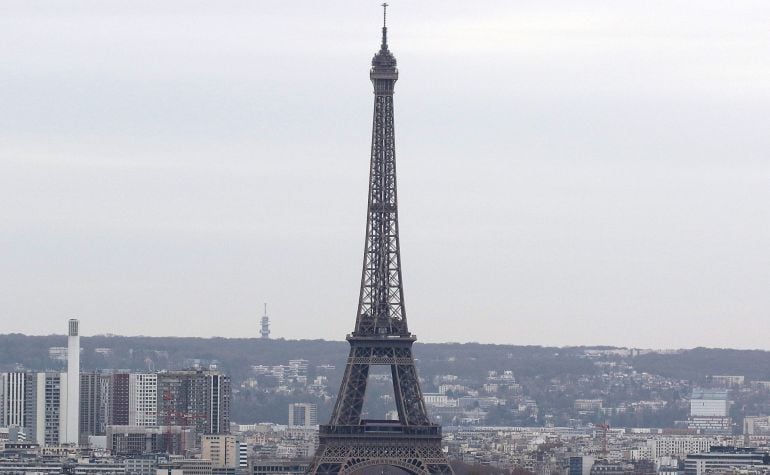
168 419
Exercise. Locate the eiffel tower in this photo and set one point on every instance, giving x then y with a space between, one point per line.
349 443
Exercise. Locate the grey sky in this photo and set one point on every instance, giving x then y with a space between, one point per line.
569 172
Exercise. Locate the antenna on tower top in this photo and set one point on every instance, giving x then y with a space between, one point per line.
384 14
384 26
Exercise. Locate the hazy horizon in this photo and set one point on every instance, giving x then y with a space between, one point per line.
342 340
570 173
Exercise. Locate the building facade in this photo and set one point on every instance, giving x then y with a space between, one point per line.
678 446
710 411
143 399
13 396
94 404
120 396
580 465
727 460
709 403
138 440
221 449
49 418
196 398
303 415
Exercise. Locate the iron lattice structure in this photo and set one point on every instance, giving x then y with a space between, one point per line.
381 337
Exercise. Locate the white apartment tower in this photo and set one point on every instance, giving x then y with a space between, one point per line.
72 429
51 413
143 399
12 399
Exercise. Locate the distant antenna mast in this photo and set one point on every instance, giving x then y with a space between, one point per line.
264 329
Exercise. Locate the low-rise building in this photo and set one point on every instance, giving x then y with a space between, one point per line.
588 404
280 467
221 449
726 460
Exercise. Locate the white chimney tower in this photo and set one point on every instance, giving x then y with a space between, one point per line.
73 382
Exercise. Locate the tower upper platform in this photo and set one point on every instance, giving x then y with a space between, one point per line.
384 72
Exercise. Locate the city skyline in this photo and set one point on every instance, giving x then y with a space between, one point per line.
569 174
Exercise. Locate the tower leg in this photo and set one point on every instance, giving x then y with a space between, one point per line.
350 401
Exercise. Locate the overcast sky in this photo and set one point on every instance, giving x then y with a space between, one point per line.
570 172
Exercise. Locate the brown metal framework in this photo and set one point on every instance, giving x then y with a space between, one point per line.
381 337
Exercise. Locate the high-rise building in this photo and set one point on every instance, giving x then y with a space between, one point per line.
90 395
46 406
12 399
94 404
218 407
303 415
72 431
105 403
37 403
196 398
48 417
120 396
143 399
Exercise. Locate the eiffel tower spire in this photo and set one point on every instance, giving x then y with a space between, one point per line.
381 336
384 26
